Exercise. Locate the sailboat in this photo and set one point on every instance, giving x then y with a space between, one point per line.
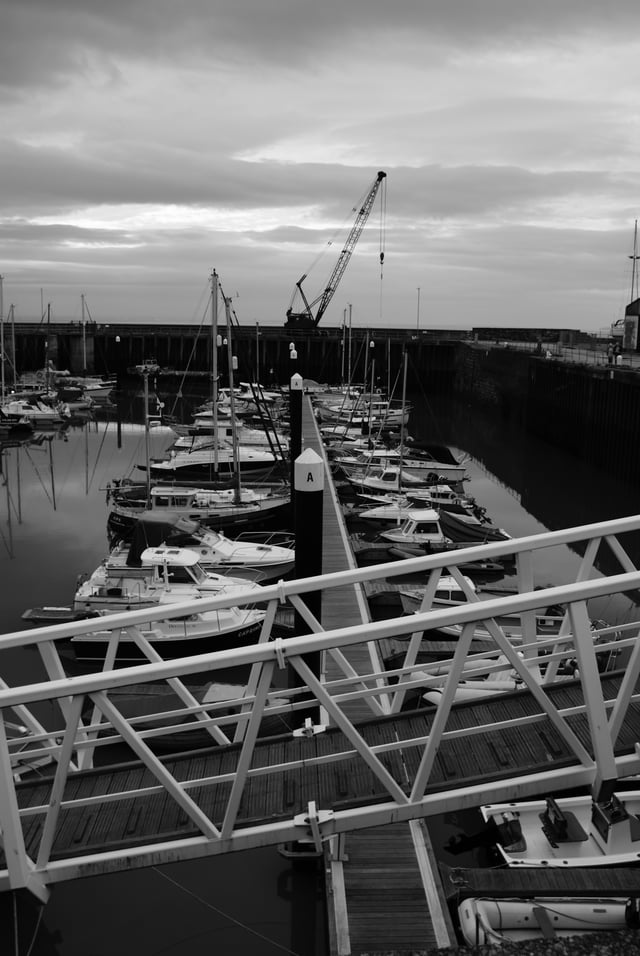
206 485
223 457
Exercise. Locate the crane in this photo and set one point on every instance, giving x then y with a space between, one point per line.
307 319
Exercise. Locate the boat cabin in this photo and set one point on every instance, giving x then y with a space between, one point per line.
173 566
450 592
421 526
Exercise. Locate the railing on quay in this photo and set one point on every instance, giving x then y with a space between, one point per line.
90 718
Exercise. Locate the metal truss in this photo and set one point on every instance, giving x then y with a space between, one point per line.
90 718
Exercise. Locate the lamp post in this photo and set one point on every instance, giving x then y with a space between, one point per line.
418 312
84 336
372 346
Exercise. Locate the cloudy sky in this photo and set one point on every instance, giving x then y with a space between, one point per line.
147 142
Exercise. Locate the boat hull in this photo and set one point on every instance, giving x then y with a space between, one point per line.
92 648
493 922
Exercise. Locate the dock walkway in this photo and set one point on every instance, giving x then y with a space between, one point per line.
383 889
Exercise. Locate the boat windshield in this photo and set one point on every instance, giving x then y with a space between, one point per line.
197 573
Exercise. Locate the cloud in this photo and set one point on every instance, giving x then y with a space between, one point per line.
146 142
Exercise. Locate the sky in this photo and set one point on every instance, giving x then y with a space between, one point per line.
147 143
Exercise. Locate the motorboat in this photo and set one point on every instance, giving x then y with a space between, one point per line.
568 831
416 529
432 539
161 573
192 633
449 593
259 557
385 478
391 509
496 922
36 411
243 507
421 526
418 464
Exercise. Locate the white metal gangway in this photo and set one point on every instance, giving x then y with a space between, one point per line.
225 805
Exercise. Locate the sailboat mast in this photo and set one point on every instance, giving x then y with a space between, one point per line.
232 407
214 365
402 429
84 337
2 384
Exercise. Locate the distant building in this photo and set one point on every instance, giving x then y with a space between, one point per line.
626 330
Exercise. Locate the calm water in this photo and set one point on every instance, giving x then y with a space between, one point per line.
53 515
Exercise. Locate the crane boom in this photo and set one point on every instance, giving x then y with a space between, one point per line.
306 319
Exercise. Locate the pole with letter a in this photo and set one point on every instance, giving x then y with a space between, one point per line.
308 492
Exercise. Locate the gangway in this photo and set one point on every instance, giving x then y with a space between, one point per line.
329 775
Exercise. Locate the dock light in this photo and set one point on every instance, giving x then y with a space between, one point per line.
117 340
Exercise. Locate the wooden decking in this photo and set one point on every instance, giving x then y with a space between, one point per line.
461 882
380 899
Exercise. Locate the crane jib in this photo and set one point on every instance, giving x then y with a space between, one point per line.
307 319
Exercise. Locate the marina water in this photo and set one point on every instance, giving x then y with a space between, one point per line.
53 512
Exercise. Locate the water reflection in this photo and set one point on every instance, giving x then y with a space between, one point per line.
53 515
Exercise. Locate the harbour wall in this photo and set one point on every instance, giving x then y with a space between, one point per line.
592 411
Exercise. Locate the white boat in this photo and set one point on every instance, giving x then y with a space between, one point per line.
568 831
222 461
386 478
494 922
192 633
36 411
363 413
217 507
418 464
203 431
253 557
450 594
393 508
416 529
161 573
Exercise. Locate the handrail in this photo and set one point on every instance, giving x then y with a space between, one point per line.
403 796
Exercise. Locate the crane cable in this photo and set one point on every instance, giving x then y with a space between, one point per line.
383 234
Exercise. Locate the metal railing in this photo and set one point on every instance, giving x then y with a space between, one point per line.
91 719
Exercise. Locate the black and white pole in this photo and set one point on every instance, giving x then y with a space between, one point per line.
295 424
308 491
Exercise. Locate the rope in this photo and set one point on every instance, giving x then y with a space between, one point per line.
220 912
35 932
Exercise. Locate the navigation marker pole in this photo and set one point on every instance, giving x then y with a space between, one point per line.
308 484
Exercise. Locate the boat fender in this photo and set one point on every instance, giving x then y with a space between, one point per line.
632 913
